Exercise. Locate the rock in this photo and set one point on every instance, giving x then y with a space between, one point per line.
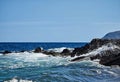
113 59
94 44
6 52
51 53
65 52
22 51
95 57
37 50
109 56
112 35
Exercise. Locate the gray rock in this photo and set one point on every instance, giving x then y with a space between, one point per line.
112 35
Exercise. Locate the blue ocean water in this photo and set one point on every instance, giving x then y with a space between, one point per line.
30 45
38 67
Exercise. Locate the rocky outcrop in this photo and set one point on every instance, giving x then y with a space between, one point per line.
112 35
94 44
107 51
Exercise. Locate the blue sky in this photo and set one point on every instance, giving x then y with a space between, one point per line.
57 20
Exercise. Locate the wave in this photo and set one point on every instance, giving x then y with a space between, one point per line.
26 59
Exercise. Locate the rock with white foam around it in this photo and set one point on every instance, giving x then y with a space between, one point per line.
107 51
66 52
94 44
37 50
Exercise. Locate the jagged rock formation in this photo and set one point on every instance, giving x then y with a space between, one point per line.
94 44
107 51
112 35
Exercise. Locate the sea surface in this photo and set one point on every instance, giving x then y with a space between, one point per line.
38 67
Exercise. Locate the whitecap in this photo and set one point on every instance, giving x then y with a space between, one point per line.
18 80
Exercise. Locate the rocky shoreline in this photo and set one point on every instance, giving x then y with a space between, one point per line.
107 51
108 55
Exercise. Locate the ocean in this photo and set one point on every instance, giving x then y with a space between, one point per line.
38 67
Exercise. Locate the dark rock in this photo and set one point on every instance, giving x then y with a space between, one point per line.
107 57
6 52
94 44
37 50
51 53
95 57
113 59
65 52
22 51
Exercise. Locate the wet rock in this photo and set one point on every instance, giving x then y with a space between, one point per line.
22 51
113 59
95 57
37 50
65 52
6 52
94 44
51 53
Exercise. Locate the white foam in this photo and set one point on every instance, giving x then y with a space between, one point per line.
26 59
16 80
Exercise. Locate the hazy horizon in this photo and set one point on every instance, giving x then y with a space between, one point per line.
57 20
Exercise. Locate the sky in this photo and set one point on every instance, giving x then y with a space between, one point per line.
57 20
